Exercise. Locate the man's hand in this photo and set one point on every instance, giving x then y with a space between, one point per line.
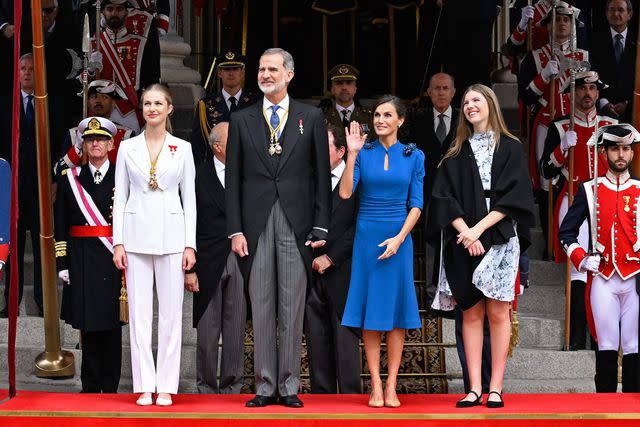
316 238
191 282
620 108
525 16
321 263
591 263
95 62
8 31
570 139
64 275
610 110
239 245
551 69
119 257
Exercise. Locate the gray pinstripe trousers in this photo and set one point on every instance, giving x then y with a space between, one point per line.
277 288
226 314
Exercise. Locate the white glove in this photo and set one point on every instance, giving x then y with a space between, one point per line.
1 265
526 14
570 139
64 275
95 62
590 263
551 69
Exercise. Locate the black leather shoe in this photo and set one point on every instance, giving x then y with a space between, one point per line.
470 403
495 403
291 401
261 401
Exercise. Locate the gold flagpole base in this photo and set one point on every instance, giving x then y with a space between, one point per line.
55 364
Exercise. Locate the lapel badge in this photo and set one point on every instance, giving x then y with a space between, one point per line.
173 149
301 127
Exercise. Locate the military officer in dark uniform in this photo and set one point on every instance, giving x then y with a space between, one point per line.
84 252
217 107
342 108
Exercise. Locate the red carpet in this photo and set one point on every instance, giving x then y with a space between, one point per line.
63 409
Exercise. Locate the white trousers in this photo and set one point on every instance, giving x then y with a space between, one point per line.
583 237
614 304
169 278
541 136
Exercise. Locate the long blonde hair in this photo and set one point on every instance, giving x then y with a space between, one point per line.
464 129
167 95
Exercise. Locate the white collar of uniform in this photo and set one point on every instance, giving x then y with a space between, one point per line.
219 165
618 179
339 169
284 104
614 32
120 34
226 95
350 107
103 169
447 113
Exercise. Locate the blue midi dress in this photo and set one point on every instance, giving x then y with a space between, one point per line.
382 295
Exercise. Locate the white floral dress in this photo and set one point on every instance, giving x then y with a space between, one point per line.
496 274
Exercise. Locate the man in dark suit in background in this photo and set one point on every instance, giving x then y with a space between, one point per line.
217 107
613 56
27 172
334 357
278 208
218 290
433 128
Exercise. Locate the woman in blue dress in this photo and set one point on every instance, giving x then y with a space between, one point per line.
382 296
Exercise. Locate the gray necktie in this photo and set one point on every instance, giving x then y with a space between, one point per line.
441 130
618 49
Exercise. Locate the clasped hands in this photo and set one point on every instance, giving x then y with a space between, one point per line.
469 239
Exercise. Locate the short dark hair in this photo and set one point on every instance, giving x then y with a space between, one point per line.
629 5
339 139
401 109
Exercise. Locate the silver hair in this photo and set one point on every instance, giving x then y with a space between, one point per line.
216 132
287 59
27 55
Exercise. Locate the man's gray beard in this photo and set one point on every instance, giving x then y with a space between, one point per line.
277 87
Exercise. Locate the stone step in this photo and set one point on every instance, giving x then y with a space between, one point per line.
543 300
545 272
535 332
537 247
538 364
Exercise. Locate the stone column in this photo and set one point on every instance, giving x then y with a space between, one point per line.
184 82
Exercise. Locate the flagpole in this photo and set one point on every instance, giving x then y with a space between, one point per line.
53 362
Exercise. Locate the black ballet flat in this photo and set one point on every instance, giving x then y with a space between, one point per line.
495 403
470 403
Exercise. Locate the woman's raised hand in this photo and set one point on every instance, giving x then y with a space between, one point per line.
355 138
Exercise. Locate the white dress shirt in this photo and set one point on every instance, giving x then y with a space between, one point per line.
283 111
25 100
103 169
623 39
350 109
219 169
336 174
226 95
446 118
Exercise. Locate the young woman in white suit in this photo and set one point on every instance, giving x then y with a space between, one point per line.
154 235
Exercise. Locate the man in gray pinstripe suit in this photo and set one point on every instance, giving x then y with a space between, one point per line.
278 193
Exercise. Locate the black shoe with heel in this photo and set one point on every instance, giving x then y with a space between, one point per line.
495 403
470 403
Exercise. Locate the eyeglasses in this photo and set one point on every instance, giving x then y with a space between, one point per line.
96 139
48 10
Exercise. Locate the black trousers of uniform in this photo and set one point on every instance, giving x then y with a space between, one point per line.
333 349
101 361
486 353
29 220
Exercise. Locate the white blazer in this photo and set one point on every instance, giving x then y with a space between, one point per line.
155 222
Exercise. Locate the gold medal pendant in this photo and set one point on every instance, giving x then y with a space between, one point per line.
626 203
153 182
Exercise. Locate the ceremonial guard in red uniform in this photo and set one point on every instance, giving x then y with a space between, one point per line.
102 95
537 70
129 53
612 210
554 163
84 252
158 9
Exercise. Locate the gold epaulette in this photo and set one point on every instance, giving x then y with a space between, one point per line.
64 171
61 249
